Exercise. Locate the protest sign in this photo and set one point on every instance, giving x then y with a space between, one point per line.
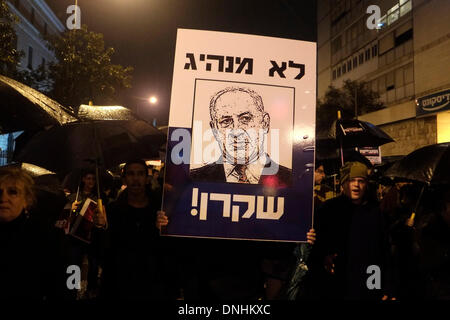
240 154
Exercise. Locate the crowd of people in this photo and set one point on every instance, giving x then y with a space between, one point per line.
364 245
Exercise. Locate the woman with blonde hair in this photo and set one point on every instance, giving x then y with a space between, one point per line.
28 254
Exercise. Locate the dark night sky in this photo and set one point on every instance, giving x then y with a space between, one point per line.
143 33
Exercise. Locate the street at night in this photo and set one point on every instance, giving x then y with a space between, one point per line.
227 158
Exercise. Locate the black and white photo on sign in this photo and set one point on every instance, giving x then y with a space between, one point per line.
240 133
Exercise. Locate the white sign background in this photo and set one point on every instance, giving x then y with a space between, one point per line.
262 50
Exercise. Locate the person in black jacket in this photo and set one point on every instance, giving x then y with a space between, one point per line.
29 264
351 240
135 256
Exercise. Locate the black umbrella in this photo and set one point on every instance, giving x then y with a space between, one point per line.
72 180
357 133
22 108
351 133
91 113
107 143
44 180
429 165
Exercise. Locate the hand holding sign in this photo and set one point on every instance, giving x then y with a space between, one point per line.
161 219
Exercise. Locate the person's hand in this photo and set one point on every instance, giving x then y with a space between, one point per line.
329 263
75 205
161 219
311 236
61 224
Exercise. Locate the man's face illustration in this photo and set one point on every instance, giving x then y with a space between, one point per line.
239 127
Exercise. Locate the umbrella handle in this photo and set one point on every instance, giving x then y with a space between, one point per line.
101 211
410 221
100 206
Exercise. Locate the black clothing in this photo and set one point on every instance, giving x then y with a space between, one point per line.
224 270
434 258
356 234
218 270
136 255
29 263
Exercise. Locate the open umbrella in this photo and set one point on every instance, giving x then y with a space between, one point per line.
22 108
72 180
348 133
90 113
44 180
106 142
429 165
357 133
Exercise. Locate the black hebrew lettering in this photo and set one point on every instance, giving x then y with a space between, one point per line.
277 69
215 57
191 64
230 67
299 66
245 61
242 63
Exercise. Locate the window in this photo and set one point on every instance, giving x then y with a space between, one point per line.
339 72
43 62
334 74
374 51
408 35
355 62
361 58
405 7
367 54
344 68
349 65
45 28
30 58
393 14
401 8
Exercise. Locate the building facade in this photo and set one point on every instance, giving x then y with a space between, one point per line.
405 58
36 20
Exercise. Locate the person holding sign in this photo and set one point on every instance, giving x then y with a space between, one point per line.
135 253
239 124
246 270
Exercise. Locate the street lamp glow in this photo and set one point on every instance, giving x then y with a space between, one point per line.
153 100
